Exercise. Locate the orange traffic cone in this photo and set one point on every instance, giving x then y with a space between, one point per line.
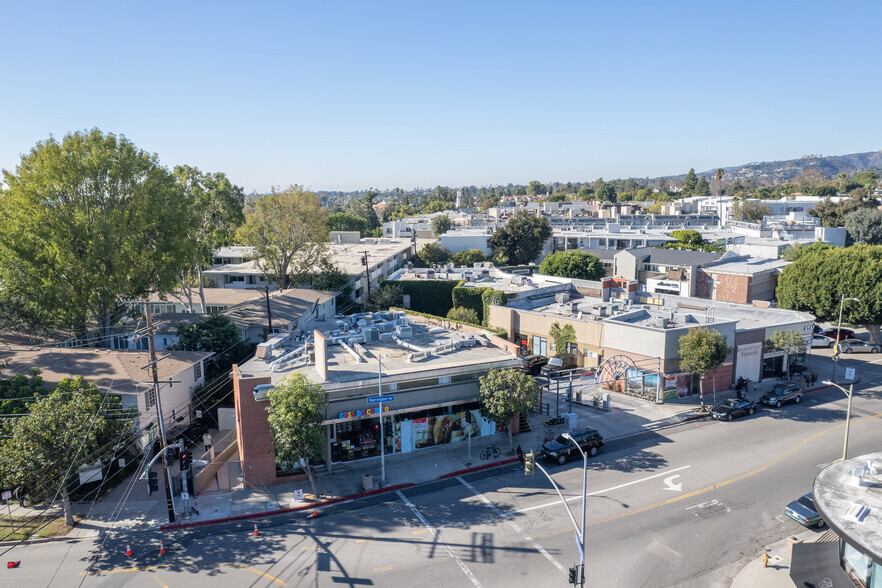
313 515
256 533
128 550
161 548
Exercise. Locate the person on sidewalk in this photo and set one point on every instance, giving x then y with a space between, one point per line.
521 457
206 440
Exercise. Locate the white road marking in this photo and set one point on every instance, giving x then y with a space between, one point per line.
703 504
449 550
780 519
514 526
669 483
571 498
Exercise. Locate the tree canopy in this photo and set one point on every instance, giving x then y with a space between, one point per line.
468 257
702 350
219 335
287 230
90 222
521 239
441 224
343 221
821 275
296 412
463 315
790 342
749 210
572 264
833 214
432 253
505 393
562 336
864 226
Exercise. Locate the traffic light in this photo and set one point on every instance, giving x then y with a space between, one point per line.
529 463
152 482
186 460
573 575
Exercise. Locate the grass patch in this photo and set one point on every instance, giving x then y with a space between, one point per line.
32 527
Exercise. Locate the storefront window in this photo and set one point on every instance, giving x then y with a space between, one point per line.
773 366
876 577
856 562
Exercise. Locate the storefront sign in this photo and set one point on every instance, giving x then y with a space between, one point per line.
376 399
357 414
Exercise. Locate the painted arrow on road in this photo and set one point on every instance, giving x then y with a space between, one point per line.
669 483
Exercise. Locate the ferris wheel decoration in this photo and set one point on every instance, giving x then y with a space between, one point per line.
615 368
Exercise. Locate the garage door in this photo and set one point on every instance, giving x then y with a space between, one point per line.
749 361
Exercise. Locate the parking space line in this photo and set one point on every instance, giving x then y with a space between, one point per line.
579 497
514 526
465 569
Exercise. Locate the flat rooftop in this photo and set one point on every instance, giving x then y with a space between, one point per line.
482 277
748 267
839 494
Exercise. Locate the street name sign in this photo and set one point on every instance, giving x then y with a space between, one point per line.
376 399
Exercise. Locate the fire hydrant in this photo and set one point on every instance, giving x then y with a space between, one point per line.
765 560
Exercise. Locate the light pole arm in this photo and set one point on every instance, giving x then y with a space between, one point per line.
567 506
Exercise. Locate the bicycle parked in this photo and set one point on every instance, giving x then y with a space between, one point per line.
490 452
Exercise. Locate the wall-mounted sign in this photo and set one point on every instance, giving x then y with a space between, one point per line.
357 414
376 399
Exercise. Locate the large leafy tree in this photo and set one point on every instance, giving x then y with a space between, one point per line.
432 253
296 411
19 391
821 275
521 239
572 264
702 188
469 257
218 207
441 224
865 226
702 350
219 335
364 208
505 393
833 214
288 231
790 342
749 210
89 222
343 221
562 337
73 425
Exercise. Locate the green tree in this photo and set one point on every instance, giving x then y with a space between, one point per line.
287 229
469 257
464 315
439 206
88 223
718 176
441 224
688 236
343 221
557 197
790 342
749 210
562 337
572 264
702 350
296 412
689 183
330 278
19 391
505 393
218 207
702 188
535 188
821 275
833 214
432 253
643 194
219 335
603 191
65 429
364 208
385 297
792 252
521 239
865 226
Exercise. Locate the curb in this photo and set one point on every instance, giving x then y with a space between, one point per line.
280 511
38 540
485 466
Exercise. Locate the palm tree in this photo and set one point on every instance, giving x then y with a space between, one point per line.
718 176
841 177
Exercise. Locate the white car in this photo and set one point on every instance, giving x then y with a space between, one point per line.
822 341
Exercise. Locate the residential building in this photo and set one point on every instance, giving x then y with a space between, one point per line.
663 271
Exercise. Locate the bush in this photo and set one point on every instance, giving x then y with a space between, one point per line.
432 253
430 296
464 315
468 258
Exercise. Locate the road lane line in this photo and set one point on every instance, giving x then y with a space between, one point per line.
465 569
386 569
578 497
514 526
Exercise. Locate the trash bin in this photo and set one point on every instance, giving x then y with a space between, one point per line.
607 403
367 481
549 435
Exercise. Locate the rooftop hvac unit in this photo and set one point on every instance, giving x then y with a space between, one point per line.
573 305
601 310
260 392
661 322
517 280
263 352
404 331
386 327
371 335
562 297
402 322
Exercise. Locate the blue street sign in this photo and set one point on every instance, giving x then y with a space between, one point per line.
376 399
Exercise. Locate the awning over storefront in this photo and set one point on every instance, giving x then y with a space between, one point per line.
816 565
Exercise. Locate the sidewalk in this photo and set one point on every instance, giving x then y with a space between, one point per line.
777 572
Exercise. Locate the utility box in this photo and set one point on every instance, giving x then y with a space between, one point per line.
607 402
572 421
367 481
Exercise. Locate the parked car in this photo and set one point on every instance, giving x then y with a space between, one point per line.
803 511
733 408
533 364
781 393
822 341
558 364
842 333
857 345
816 329
562 448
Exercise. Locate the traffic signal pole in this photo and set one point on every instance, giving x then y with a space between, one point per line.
162 447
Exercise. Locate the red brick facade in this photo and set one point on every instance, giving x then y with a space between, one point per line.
729 287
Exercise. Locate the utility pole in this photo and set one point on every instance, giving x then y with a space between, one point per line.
367 277
269 314
155 373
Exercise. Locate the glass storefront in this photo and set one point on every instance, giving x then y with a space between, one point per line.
855 562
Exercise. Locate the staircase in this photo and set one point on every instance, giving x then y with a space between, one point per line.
524 425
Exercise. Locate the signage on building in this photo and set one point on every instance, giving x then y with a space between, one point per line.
668 285
376 399
357 414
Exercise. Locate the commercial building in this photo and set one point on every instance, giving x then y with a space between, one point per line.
429 376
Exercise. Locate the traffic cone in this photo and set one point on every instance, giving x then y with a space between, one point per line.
12 564
161 548
313 515
256 533
128 550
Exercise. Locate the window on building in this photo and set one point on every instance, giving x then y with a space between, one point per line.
151 397
197 370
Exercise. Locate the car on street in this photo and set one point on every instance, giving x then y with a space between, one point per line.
781 393
803 511
559 364
532 364
822 341
857 346
732 408
842 333
562 448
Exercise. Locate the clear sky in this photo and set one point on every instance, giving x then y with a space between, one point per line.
347 95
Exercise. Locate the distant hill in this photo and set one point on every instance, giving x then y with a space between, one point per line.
780 172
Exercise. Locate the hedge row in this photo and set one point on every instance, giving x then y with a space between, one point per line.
479 300
433 297
501 333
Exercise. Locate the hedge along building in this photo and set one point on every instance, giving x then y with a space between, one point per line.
431 372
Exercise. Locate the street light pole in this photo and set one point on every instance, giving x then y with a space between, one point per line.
838 337
850 394
584 504
382 435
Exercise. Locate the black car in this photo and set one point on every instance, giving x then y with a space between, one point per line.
533 364
733 408
563 448
803 511
781 393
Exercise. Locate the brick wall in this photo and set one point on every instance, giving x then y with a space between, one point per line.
729 287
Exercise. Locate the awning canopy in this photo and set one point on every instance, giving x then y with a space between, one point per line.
816 565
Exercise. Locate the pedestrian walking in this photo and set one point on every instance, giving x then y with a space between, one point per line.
206 440
521 457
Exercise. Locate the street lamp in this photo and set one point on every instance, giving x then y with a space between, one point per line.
380 357
838 336
848 393
584 498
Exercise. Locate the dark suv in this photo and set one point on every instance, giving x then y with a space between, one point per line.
562 448
781 393
533 364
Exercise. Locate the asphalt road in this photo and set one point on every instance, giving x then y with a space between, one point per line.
685 506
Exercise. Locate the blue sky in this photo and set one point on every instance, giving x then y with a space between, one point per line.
347 95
